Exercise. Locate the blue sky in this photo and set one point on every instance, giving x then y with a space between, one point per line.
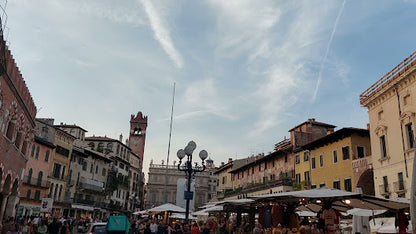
245 71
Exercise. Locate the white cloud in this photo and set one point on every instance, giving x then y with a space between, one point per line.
161 33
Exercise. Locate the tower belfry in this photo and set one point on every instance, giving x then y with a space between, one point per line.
137 136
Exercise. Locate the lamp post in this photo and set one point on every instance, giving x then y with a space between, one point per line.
190 171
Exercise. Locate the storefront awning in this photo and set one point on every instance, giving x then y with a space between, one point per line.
89 208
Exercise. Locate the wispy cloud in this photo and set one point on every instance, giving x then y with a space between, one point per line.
318 82
161 33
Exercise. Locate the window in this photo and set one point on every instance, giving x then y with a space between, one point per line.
248 172
18 139
252 170
306 156
10 130
313 186
91 168
285 157
335 156
307 176
297 178
40 175
100 147
401 182
224 179
313 163
265 165
345 153
84 165
47 156
56 170
385 184
410 135
297 159
29 176
383 148
337 184
347 185
37 195
322 184
121 165
360 152
321 160
33 151
380 115
28 194
259 167
273 163
96 169
103 172
91 145
242 174
37 152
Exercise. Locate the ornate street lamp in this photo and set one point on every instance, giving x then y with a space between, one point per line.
190 171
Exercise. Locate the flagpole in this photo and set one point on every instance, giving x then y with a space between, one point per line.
413 195
170 136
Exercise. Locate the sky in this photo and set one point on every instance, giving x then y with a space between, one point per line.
245 72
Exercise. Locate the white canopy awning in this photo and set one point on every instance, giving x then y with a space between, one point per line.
82 207
167 207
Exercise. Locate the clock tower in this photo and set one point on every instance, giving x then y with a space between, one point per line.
137 137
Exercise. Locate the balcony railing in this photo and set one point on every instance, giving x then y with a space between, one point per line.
36 182
365 162
395 73
92 185
399 186
384 189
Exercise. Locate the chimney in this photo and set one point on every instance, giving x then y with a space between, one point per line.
222 163
230 159
121 138
368 126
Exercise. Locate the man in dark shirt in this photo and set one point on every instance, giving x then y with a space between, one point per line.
53 228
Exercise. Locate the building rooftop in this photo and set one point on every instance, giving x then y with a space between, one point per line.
313 122
404 67
333 137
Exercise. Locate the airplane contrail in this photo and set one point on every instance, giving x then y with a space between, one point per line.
318 83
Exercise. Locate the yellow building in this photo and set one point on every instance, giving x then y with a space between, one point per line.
391 106
330 160
58 176
302 170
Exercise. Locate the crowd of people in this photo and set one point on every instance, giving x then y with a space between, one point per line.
41 225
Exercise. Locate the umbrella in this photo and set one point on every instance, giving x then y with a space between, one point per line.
167 207
180 216
364 212
306 213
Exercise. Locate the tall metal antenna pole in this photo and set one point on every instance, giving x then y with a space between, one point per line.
170 136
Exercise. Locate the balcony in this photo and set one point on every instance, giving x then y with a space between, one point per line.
362 163
92 185
36 182
384 189
399 186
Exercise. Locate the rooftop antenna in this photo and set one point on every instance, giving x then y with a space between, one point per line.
170 136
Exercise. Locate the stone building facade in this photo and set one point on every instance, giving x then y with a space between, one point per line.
391 105
162 184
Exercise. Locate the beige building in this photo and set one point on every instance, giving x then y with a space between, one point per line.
391 105
162 184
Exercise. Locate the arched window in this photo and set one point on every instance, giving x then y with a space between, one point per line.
18 139
29 176
110 147
37 152
100 147
10 130
47 156
91 145
33 151
40 175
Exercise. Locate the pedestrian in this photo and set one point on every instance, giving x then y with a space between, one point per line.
65 228
14 229
195 229
25 227
153 227
161 228
53 227
43 228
